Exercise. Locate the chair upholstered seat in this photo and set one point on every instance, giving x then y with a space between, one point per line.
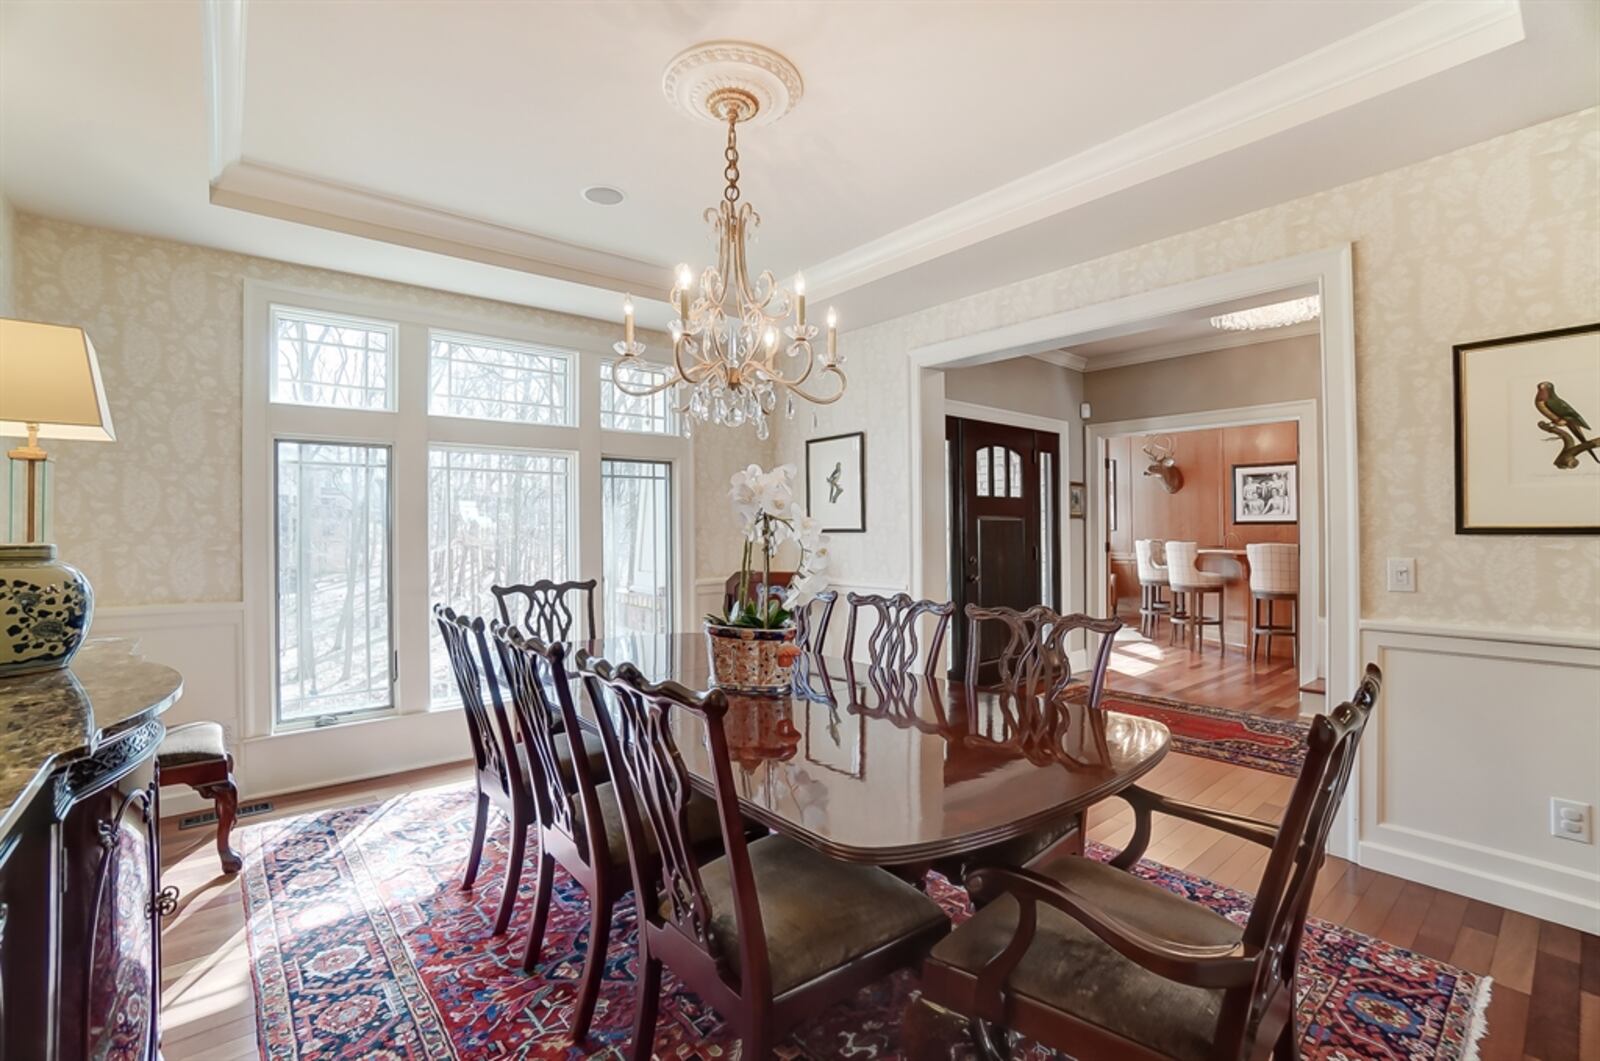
818 914
194 743
1068 968
593 750
701 812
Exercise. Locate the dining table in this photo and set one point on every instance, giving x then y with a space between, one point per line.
894 768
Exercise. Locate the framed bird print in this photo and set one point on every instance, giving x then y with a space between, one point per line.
1527 453
836 482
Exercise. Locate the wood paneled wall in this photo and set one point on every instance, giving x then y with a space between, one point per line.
1200 512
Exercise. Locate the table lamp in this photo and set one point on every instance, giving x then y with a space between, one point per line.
49 388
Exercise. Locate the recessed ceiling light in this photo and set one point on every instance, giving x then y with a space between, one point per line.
603 195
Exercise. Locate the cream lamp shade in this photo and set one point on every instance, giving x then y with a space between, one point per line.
49 376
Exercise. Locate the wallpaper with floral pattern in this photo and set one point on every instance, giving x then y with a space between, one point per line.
1496 239
154 518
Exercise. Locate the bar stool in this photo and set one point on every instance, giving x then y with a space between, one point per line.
1189 588
1274 576
1152 580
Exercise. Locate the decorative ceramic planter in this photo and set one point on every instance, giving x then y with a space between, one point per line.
45 606
750 661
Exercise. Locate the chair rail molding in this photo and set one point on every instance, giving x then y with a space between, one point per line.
1462 706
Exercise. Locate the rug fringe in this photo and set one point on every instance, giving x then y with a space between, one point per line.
1478 1027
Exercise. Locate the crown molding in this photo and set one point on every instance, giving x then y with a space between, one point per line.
1200 344
1417 43
222 37
273 192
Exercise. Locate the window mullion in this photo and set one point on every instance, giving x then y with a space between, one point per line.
412 629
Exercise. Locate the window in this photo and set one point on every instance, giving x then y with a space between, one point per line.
494 517
999 472
1047 528
393 462
627 412
983 472
333 573
493 379
637 500
338 362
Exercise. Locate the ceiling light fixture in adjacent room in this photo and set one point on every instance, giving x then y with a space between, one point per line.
1273 315
736 352
603 195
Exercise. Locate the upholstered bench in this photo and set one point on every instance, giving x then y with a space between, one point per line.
196 755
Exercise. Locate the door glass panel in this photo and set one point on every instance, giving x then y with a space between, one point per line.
334 646
999 479
983 472
1047 531
1016 473
637 500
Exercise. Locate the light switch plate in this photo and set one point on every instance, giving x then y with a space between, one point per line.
1402 574
1571 820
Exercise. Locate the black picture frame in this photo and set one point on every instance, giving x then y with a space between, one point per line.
1233 492
1460 428
861 479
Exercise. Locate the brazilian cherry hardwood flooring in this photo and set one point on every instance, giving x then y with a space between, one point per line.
1546 1003
1144 662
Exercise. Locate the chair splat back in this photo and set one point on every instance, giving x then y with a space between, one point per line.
811 620
655 797
488 726
547 613
533 668
1277 920
1035 657
894 643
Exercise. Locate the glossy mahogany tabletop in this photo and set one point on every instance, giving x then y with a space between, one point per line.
889 768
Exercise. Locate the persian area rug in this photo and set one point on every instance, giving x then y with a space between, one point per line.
1276 745
363 946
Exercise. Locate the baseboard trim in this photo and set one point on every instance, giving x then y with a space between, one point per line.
1477 883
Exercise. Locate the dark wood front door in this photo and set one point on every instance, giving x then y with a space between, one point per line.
1005 510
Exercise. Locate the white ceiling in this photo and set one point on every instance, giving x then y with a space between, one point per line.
939 149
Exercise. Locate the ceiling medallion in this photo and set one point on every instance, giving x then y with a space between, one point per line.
735 349
1273 315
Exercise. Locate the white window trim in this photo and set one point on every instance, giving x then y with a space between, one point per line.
410 430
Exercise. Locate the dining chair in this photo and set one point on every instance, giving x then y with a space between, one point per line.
1086 958
1034 658
1192 585
546 611
893 643
1033 672
811 620
580 825
497 768
1274 577
771 933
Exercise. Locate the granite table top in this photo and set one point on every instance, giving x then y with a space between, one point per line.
56 716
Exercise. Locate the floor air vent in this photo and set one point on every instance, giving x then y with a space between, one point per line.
209 817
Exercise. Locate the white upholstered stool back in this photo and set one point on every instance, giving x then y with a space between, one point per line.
1182 572
1150 572
1274 567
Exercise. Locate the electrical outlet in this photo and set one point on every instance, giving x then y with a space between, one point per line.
1402 574
1571 820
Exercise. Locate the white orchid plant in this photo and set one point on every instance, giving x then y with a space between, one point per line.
768 518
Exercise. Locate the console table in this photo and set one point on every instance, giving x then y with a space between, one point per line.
80 895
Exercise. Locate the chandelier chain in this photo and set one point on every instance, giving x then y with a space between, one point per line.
731 172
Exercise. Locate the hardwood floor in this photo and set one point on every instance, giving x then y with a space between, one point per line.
1546 1004
1146 663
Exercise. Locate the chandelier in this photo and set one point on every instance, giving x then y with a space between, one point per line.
1273 315
740 347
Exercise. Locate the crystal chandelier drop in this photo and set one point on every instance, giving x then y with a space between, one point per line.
739 347
1274 315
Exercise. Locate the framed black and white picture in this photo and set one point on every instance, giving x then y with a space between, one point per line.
836 482
1266 493
1527 454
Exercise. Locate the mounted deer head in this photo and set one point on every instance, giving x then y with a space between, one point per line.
1159 449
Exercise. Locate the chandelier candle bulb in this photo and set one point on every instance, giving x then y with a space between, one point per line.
833 334
627 320
800 300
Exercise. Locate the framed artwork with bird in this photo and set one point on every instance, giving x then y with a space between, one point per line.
1527 451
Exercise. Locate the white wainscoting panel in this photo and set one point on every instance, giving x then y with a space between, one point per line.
1476 732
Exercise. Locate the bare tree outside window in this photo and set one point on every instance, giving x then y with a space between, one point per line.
492 379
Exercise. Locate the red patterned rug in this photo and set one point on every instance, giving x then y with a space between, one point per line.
363 946
1276 745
